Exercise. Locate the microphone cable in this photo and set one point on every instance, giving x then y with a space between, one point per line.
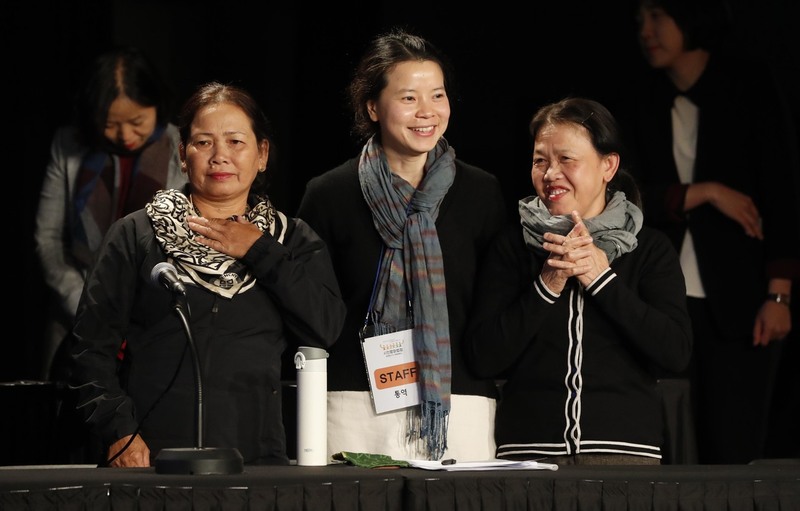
110 460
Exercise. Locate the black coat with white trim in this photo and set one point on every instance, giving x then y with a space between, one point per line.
577 366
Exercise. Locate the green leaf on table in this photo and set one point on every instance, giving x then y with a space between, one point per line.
369 460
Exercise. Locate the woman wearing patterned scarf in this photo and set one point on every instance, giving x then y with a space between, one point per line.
407 224
256 282
575 307
120 150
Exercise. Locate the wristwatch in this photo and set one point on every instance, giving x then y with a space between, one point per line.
779 298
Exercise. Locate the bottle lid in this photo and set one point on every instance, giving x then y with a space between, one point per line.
308 353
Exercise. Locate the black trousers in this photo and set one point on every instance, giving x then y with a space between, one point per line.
732 384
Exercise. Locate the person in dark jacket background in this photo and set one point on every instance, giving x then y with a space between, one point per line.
255 281
715 153
575 306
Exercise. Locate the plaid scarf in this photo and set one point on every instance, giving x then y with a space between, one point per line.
99 197
412 274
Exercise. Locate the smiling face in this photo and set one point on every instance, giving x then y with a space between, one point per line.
413 109
568 173
222 155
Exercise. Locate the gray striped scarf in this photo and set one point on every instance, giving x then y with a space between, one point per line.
412 265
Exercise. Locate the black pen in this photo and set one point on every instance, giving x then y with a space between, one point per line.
450 461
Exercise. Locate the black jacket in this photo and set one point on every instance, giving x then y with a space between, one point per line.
469 217
746 140
295 301
577 366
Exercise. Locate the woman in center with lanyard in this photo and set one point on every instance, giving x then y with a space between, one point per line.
407 224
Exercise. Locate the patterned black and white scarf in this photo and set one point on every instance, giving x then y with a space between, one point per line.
196 263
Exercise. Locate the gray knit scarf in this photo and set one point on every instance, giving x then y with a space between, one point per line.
614 230
412 273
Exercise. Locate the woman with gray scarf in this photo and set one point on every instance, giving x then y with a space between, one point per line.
407 223
574 308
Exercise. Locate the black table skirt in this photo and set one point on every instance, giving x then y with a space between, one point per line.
768 487
686 487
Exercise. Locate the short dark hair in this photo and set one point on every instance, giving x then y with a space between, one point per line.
704 23
383 53
120 70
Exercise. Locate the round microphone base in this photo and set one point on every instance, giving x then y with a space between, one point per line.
199 460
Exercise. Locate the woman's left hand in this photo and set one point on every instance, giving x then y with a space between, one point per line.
231 236
773 323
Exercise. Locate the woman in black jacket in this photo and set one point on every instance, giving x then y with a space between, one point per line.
252 281
574 307
715 153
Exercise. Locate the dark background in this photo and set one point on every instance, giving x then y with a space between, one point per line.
297 60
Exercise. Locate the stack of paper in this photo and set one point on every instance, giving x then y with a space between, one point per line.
481 465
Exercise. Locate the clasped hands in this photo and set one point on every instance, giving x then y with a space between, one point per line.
573 255
232 236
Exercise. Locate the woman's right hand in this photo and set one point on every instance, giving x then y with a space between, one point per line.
136 455
231 236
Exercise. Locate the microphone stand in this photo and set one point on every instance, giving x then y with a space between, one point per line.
198 459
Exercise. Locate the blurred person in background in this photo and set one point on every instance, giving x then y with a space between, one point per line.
715 152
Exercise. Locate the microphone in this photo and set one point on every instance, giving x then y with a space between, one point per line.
198 459
165 274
